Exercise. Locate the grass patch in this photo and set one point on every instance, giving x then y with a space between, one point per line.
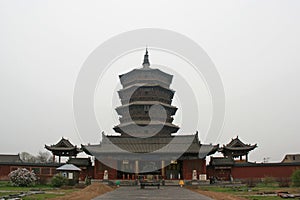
41 196
6 189
237 189
263 197
7 186
5 193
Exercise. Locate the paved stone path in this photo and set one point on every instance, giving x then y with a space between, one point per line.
129 193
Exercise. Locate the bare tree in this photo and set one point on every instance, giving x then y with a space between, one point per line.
27 157
44 157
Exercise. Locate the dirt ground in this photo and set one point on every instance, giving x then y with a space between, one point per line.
97 189
217 195
87 193
226 196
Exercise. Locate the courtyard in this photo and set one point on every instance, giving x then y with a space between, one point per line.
128 193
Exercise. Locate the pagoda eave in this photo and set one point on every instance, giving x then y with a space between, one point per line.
142 103
144 85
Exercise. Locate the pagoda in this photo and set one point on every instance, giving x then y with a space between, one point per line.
142 89
146 142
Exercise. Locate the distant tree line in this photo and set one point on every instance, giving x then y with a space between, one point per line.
42 157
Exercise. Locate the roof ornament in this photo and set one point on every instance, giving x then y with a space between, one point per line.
146 62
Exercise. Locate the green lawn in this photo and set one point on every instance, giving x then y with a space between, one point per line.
5 185
41 196
6 188
5 193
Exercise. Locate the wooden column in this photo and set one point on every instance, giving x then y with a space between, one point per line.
203 166
136 168
163 169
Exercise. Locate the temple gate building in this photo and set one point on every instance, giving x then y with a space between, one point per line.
235 153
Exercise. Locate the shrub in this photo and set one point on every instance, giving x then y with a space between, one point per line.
87 180
58 180
268 181
22 177
284 182
250 182
296 178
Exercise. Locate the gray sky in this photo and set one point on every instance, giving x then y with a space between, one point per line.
253 44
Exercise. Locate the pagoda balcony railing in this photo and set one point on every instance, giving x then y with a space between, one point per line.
146 98
142 110
135 118
148 81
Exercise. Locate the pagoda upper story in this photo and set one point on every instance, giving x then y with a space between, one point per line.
143 88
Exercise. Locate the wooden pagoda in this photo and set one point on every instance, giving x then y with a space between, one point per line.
146 139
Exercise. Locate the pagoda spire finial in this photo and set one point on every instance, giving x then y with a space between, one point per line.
146 62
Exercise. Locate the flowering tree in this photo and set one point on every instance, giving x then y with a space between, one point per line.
22 177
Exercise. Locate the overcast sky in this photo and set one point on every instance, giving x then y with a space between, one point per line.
254 45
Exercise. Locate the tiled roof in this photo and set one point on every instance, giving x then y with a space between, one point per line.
68 167
215 161
237 145
246 148
7 158
159 145
63 145
80 162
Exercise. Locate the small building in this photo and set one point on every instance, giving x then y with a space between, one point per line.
291 158
63 148
85 164
71 172
237 149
